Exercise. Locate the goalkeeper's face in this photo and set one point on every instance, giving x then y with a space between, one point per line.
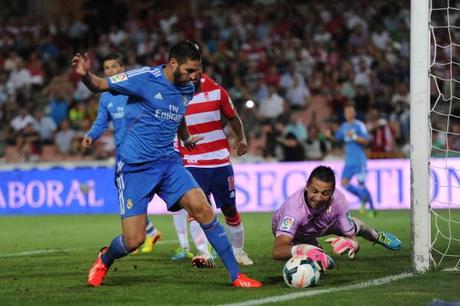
319 193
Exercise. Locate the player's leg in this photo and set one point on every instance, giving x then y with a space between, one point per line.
367 198
152 235
133 236
180 224
224 193
133 196
179 188
203 176
347 173
385 239
195 203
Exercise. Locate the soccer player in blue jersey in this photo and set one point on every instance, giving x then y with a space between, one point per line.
112 109
148 162
353 134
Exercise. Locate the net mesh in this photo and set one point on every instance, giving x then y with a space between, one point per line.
445 133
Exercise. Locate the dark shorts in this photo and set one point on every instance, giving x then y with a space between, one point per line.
218 182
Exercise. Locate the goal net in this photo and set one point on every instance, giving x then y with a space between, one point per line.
440 239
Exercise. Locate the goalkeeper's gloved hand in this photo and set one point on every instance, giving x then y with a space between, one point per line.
340 245
321 260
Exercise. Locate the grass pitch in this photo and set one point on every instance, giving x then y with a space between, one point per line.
44 260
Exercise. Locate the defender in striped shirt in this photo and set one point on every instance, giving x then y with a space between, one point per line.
209 163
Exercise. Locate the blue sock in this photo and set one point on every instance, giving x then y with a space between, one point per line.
356 191
117 249
368 197
219 241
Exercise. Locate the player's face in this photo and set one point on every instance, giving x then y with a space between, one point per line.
197 82
349 113
186 72
112 67
319 193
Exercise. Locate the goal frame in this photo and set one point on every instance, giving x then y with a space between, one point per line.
420 135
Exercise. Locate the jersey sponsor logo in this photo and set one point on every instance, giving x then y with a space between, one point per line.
119 77
158 96
286 224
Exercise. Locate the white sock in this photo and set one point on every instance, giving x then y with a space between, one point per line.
180 223
237 237
150 230
199 238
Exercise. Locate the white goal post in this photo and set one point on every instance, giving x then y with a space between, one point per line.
420 135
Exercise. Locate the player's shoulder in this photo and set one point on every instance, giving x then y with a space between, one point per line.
209 84
339 199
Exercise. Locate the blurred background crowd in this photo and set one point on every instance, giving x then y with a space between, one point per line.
289 67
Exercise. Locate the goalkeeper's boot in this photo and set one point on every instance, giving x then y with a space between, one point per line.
150 242
242 258
203 261
389 241
98 271
242 281
182 254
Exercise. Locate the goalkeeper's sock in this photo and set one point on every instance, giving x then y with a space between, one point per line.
219 241
180 223
116 250
365 231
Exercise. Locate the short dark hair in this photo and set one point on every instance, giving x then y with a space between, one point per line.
185 50
114 56
324 174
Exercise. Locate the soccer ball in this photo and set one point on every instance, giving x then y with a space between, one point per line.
300 272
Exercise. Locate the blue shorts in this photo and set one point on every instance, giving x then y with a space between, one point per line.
356 169
219 182
138 183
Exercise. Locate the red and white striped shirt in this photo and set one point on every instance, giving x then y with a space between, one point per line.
203 118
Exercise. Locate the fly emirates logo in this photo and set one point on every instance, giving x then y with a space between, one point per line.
172 115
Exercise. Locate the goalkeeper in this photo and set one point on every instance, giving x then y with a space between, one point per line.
319 210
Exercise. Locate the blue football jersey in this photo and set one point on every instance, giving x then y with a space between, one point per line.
111 108
354 151
153 113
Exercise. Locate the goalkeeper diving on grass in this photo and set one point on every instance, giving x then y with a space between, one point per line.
318 210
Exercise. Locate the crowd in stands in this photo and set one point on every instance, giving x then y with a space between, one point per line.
289 69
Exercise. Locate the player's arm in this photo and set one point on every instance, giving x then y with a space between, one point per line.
228 110
99 125
81 65
282 247
361 137
241 144
184 135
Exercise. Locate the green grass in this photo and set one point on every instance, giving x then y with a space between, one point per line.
58 278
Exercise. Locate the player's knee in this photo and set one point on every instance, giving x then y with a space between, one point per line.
229 211
203 213
135 241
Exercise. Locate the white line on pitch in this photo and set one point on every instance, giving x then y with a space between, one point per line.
53 251
308 292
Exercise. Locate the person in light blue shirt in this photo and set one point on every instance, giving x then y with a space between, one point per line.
148 163
112 109
353 134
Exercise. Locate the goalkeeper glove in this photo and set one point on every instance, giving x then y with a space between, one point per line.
341 245
321 260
